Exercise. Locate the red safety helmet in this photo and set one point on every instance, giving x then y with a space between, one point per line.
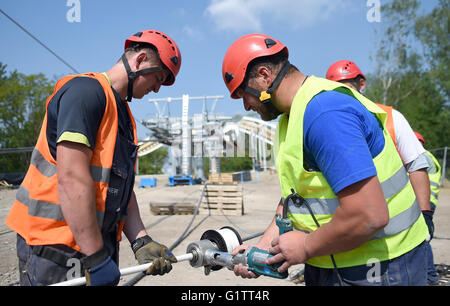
241 53
343 70
420 137
167 49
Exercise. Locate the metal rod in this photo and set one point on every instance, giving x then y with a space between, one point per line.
125 271
140 276
444 167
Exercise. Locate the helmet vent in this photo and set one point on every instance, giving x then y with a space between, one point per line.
138 34
270 42
228 77
174 60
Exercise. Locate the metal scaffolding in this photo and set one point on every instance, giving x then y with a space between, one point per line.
190 138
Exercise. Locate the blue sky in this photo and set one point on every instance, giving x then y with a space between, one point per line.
317 33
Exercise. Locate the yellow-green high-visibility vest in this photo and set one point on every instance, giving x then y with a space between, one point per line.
435 178
406 228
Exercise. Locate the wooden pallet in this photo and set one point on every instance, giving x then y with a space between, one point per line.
171 209
222 200
223 178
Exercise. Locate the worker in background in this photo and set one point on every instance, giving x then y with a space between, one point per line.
331 149
77 196
434 173
411 151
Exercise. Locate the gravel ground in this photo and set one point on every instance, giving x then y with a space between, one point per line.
260 199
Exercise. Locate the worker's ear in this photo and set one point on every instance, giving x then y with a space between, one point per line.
141 57
265 74
362 84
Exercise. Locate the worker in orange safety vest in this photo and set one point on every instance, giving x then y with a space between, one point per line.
77 196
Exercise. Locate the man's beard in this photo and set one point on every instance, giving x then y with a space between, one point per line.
268 115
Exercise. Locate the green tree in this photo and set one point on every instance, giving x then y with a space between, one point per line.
153 163
22 109
432 32
235 164
394 56
412 79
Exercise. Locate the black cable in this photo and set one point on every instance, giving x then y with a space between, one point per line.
38 41
249 237
303 201
141 275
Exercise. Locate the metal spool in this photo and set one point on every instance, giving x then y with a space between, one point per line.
225 239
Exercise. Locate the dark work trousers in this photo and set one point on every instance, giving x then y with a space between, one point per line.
43 266
409 269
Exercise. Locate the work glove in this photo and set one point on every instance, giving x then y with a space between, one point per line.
428 215
146 250
100 269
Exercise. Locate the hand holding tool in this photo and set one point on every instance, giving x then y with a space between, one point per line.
147 250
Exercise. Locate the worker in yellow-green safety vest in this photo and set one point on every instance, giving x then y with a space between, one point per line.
332 149
434 173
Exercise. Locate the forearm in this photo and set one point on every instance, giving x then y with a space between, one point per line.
76 194
78 205
421 185
362 213
338 236
134 228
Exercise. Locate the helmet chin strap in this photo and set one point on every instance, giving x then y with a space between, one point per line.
266 96
132 75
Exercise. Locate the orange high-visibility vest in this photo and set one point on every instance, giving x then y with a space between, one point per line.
36 213
389 121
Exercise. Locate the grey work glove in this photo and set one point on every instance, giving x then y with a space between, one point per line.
146 250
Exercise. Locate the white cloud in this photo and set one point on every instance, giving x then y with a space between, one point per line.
253 15
192 32
233 15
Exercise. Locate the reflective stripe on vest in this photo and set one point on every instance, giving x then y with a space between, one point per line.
38 208
36 214
396 224
328 206
48 169
390 187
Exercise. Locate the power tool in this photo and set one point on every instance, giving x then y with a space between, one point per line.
213 252
283 222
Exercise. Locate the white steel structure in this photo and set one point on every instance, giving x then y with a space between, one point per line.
189 138
207 135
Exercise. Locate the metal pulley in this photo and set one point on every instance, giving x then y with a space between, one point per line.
225 239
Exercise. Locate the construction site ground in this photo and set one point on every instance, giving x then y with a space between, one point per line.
261 196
